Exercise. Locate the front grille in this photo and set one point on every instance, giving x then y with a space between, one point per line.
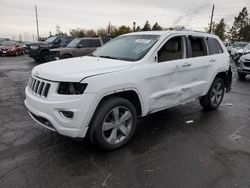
38 87
247 64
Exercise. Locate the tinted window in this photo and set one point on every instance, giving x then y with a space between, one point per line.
172 50
214 46
95 43
198 47
91 43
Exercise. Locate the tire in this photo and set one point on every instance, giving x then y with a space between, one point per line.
17 54
44 57
214 97
242 76
65 56
115 133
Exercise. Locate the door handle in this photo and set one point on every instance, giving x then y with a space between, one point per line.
212 60
186 65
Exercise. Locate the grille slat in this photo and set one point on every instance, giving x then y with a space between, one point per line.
38 87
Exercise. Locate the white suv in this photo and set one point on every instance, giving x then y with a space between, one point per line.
100 96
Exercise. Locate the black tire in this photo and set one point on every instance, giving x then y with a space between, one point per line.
65 56
103 113
210 100
242 76
44 57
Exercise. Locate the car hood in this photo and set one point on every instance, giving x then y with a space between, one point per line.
76 69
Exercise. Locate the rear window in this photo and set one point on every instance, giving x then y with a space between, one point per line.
214 46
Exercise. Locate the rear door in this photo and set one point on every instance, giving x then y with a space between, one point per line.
200 64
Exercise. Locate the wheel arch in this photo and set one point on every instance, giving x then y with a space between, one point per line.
131 95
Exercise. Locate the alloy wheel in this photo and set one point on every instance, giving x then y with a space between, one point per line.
117 125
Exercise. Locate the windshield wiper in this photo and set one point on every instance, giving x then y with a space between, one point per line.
109 57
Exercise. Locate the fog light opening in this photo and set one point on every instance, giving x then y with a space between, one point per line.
67 114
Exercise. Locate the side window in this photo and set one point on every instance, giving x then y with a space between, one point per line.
85 43
214 46
172 50
94 43
198 47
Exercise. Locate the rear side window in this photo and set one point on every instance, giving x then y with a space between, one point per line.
95 43
214 46
91 43
198 47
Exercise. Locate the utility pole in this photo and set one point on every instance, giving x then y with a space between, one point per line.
211 22
134 26
37 28
109 28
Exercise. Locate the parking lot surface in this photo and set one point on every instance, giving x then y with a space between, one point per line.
213 151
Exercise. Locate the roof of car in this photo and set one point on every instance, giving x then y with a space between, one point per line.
166 33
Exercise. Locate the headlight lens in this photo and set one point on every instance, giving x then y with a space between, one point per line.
71 88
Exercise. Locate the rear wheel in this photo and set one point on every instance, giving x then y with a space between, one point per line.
114 123
214 97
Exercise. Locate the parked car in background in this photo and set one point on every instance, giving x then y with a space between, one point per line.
3 40
237 50
10 48
243 67
40 51
100 96
228 46
246 49
78 47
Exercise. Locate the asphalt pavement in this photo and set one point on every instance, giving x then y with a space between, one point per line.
213 151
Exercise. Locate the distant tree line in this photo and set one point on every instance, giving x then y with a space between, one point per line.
240 30
113 31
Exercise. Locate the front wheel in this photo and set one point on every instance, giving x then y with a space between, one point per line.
214 97
114 123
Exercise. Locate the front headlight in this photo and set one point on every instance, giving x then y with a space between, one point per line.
71 88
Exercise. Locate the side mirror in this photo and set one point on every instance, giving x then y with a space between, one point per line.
156 58
79 46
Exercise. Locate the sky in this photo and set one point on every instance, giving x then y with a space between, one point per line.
17 17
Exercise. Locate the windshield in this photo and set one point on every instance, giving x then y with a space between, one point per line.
8 43
74 43
50 39
128 47
239 45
